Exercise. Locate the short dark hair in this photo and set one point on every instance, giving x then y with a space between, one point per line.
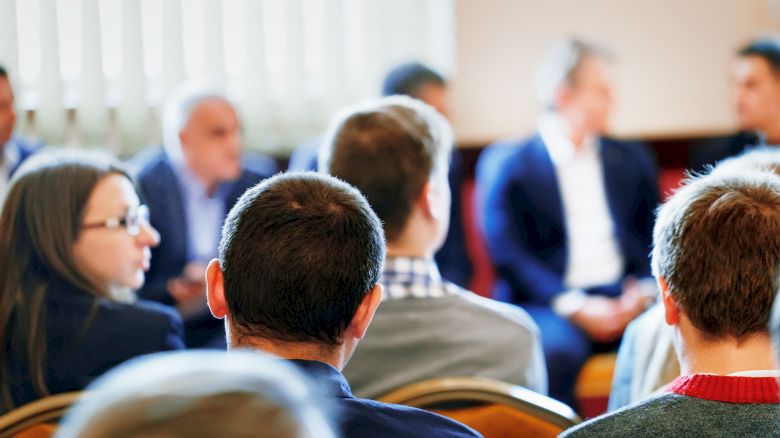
766 48
299 252
388 149
3 72
408 79
717 244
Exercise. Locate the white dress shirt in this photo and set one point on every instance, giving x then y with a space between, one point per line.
594 257
9 160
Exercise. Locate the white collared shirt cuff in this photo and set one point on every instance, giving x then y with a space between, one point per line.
569 302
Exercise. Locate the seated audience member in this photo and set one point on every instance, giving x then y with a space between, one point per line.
395 151
297 277
421 82
568 216
75 243
200 394
717 261
646 360
190 187
13 149
756 94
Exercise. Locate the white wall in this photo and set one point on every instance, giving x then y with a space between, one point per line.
672 70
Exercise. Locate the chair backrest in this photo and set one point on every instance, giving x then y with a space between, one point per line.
38 418
489 406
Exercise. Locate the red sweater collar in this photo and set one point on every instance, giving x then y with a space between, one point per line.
729 389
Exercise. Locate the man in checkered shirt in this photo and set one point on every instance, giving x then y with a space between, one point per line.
395 150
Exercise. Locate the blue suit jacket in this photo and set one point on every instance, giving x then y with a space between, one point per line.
524 221
368 418
25 150
87 336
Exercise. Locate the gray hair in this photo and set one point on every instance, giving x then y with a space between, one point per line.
178 109
200 394
560 66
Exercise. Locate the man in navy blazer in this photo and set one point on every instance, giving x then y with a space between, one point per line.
298 277
189 188
13 149
568 216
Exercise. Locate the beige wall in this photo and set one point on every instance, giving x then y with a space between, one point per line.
671 75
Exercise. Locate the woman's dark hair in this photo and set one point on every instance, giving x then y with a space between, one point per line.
40 221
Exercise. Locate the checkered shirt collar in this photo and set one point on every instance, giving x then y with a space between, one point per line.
412 277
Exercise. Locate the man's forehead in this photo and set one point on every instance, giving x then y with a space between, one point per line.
211 111
752 65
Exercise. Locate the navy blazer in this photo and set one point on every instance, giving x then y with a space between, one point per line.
524 221
368 418
25 149
158 188
87 336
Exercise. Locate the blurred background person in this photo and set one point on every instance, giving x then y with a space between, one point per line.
568 216
200 394
755 81
189 188
75 241
13 149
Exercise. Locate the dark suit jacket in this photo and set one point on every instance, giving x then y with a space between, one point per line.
707 152
368 418
524 220
87 336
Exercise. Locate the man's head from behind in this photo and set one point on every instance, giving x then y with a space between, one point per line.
395 150
574 81
7 113
201 128
420 82
299 262
717 254
756 84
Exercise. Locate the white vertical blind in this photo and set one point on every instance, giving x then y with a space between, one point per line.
95 73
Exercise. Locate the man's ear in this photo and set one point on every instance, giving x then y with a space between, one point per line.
671 308
430 201
365 312
182 137
215 290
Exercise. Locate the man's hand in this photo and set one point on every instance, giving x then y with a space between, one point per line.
602 318
189 290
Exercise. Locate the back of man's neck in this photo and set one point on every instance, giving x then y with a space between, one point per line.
333 356
727 356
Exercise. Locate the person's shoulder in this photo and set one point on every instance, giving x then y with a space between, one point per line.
508 315
509 158
148 163
258 166
385 419
633 420
160 322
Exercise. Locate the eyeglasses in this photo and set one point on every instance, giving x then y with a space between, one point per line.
132 221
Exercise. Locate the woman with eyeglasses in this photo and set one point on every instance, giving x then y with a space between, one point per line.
74 244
